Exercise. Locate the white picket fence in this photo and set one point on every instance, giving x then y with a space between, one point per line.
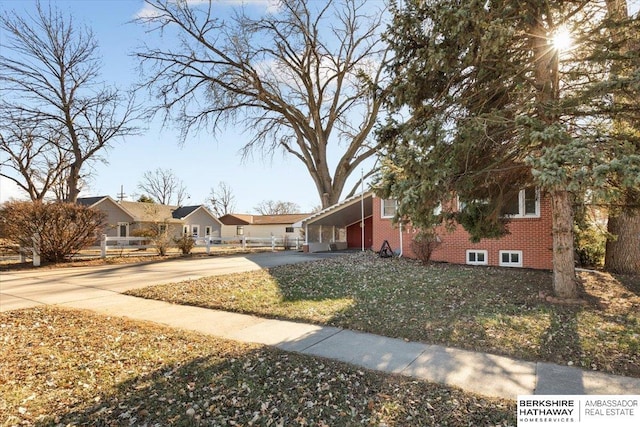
108 243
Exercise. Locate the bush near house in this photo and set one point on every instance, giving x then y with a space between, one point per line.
185 244
424 243
159 236
62 229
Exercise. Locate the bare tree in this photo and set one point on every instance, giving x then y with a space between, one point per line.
49 70
163 186
272 207
305 79
221 200
31 158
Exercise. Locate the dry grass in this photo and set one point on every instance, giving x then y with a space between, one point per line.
72 368
494 310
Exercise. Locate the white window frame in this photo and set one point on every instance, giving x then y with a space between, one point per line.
521 206
383 213
185 230
195 230
476 252
510 263
207 231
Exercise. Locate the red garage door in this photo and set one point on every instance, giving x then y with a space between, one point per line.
354 234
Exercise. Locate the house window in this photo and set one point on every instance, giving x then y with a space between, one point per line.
207 231
123 229
510 258
530 201
195 230
476 257
239 230
185 230
525 204
389 208
288 230
462 205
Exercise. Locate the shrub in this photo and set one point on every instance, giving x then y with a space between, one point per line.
185 244
63 229
159 236
590 242
424 243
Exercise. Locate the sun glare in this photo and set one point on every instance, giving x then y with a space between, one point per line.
562 39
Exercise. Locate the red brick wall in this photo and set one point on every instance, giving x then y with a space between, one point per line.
532 236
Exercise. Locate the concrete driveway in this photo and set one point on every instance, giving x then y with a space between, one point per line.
22 289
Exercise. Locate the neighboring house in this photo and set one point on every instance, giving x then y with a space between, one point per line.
261 226
126 219
528 244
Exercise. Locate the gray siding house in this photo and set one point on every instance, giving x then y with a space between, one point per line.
126 219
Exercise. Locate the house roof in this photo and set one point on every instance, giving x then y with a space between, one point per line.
90 201
149 212
344 213
236 219
185 211
246 219
278 219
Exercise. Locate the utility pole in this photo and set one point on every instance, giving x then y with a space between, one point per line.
121 194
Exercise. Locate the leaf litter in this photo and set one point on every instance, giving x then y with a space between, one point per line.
62 367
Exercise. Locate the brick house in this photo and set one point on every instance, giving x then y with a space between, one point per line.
528 244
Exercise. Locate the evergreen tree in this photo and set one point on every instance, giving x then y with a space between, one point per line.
488 101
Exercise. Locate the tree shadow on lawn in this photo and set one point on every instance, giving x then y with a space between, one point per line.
438 304
491 310
71 367
630 282
601 334
488 309
268 387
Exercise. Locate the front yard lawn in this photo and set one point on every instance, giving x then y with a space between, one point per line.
496 310
70 368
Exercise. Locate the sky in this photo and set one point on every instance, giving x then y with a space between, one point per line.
202 162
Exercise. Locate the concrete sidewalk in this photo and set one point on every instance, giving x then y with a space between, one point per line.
480 373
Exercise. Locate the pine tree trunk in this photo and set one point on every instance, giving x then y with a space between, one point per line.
623 252
564 271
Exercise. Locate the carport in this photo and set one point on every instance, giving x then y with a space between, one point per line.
347 224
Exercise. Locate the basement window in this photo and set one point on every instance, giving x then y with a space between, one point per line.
476 257
510 258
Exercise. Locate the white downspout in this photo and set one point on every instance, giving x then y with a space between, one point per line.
401 245
362 208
